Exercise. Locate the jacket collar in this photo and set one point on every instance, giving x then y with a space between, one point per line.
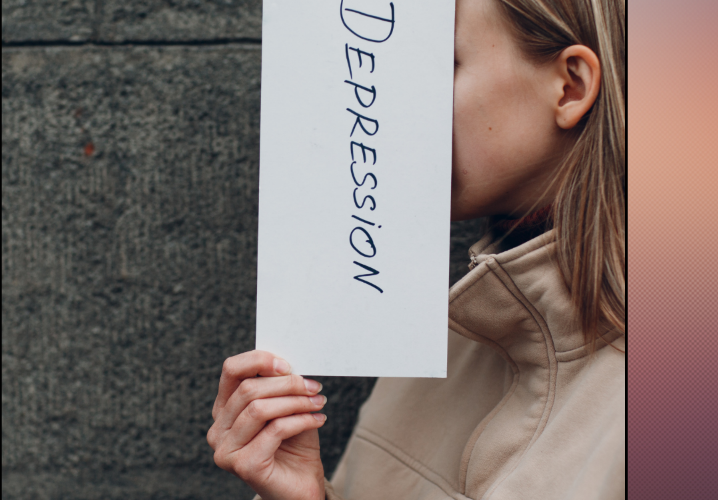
518 301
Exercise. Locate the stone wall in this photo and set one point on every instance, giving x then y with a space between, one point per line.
130 134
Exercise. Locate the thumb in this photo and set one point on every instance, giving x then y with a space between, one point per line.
296 433
304 444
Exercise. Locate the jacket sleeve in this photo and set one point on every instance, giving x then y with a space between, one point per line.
330 493
328 489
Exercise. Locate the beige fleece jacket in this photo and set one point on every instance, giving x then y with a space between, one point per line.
525 412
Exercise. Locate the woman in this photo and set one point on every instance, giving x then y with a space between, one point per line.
534 402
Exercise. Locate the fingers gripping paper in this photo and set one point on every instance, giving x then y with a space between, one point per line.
355 179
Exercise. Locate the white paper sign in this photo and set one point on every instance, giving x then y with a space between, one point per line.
355 182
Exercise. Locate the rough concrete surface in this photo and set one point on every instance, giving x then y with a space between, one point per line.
130 20
121 20
38 20
129 182
129 218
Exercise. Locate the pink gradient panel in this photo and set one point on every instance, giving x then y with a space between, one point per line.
673 250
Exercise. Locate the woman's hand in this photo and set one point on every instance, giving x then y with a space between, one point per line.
263 431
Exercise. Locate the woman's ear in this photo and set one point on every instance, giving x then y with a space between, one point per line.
578 74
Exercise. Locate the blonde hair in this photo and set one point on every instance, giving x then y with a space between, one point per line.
589 211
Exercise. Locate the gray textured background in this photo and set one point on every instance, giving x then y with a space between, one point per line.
129 214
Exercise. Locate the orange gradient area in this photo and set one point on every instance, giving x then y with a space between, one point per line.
672 249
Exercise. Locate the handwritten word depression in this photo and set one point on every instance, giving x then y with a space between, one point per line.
371 28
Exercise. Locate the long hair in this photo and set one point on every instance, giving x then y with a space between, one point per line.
589 211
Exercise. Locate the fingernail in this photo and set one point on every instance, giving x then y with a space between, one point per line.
312 385
320 416
281 366
318 400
